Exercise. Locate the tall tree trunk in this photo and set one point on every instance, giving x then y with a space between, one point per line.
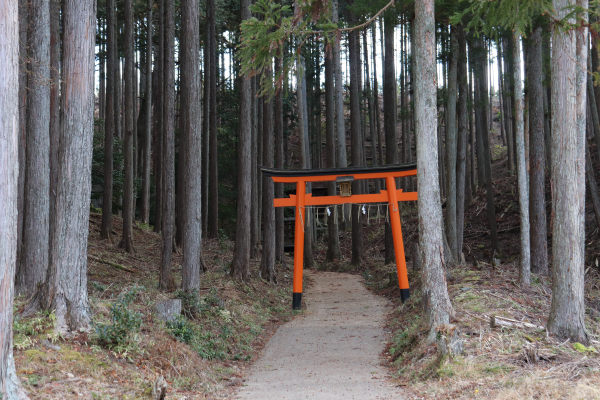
23 73
34 253
462 133
507 103
309 260
539 235
109 131
128 205
240 266
254 215
389 117
591 179
436 303
333 242
567 313
10 385
267 266
65 290
357 143
213 226
525 262
192 134
342 158
500 91
159 131
451 147
376 98
205 126
279 159
483 146
166 279
371 113
147 142
55 45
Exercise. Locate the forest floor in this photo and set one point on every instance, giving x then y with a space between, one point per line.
200 356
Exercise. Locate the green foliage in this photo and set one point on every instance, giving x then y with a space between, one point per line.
42 325
125 321
487 16
192 304
181 329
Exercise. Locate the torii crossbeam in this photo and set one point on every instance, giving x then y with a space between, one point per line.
344 176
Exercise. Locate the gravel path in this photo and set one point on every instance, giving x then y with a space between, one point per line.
331 351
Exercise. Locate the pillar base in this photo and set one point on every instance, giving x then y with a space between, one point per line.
297 301
404 294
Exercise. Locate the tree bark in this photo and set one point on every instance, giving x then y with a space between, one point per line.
240 266
191 117
55 56
539 235
110 122
342 158
279 159
389 118
309 260
147 143
166 282
23 72
267 266
36 207
10 385
128 206
357 142
567 313
205 126
462 132
451 147
213 226
591 179
436 303
159 131
507 103
65 290
525 262
333 242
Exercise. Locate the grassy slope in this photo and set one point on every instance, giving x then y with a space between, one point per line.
226 339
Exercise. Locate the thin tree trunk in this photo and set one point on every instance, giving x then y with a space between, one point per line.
357 143
191 117
10 385
525 262
147 143
255 215
213 181
567 313
128 207
309 261
279 159
34 253
500 91
267 266
376 99
159 75
539 235
342 158
205 125
436 303
451 148
240 266
109 131
389 118
462 133
333 243
508 107
166 282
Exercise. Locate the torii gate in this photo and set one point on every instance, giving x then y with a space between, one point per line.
345 176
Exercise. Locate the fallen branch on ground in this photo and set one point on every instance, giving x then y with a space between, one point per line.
498 322
118 266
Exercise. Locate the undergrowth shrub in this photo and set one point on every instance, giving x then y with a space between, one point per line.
42 326
125 322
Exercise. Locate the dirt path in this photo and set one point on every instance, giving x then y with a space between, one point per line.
332 351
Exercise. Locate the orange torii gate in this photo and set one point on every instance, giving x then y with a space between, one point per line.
345 176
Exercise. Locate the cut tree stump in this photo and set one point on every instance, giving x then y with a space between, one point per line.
168 310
